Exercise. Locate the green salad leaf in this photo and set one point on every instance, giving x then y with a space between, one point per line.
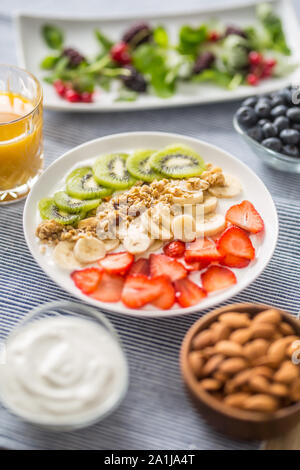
126 95
273 25
191 38
235 53
53 36
104 41
49 62
160 36
220 78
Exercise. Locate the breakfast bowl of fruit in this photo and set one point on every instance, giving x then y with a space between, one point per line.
150 224
270 125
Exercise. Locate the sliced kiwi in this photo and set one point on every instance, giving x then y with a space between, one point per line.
81 184
110 170
138 166
73 205
49 210
177 161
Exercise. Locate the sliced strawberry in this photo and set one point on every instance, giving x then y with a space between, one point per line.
196 265
234 241
166 298
139 290
188 293
109 289
174 249
233 261
87 279
117 263
202 249
141 266
245 216
217 277
162 265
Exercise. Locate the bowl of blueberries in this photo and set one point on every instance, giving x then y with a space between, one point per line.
270 124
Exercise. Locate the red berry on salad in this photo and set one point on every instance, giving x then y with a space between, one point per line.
174 249
109 288
255 58
120 53
188 293
87 97
87 279
235 241
72 96
166 299
139 290
252 79
245 216
117 263
217 278
162 265
60 87
213 36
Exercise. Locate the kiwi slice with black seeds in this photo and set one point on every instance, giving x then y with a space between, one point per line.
138 166
73 205
49 210
81 184
110 170
177 161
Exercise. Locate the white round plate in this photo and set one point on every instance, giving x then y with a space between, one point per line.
253 189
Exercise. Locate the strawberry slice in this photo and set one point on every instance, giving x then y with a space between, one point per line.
166 298
117 263
174 249
245 216
141 266
202 249
162 265
139 290
87 279
196 265
188 293
234 241
233 261
217 277
109 289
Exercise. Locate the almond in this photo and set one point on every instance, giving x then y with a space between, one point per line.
210 384
233 365
235 320
286 329
208 352
220 376
262 330
229 348
259 384
212 364
262 403
237 400
220 332
256 348
277 350
264 371
268 316
242 378
196 362
241 336
295 390
287 373
202 339
279 390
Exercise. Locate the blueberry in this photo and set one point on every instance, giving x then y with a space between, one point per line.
281 122
294 114
296 126
291 150
256 133
269 130
246 116
279 110
272 143
277 100
290 136
262 122
286 94
250 102
263 108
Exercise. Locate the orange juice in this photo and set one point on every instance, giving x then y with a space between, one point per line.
21 149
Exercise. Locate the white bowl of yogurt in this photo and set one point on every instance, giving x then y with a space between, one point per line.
64 367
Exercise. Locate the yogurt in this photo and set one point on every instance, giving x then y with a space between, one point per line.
62 370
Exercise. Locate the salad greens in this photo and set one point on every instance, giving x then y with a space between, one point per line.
145 59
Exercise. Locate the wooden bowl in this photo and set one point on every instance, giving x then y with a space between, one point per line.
234 422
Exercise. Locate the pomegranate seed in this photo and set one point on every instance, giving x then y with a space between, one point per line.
60 87
120 53
72 96
86 97
213 36
252 79
255 58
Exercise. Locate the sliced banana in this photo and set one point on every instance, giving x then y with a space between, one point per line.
63 255
155 246
184 227
111 245
138 244
209 204
211 225
89 249
192 197
232 188
154 230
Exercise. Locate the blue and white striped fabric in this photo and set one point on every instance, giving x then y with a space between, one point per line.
156 413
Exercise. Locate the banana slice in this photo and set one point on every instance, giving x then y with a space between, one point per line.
138 244
155 246
209 204
212 224
63 255
154 230
193 197
232 188
184 228
110 245
89 249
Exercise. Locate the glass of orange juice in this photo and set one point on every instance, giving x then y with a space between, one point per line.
21 137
